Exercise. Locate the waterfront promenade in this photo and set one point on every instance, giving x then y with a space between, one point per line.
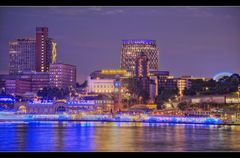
9 116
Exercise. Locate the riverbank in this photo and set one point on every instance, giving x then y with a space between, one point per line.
9 116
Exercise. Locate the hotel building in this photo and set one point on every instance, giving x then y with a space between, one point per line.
132 48
62 75
21 55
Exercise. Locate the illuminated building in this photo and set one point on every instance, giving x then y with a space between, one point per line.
209 99
100 85
159 77
50 107
46 50
142 71
51 51
109 74
153 87
17 86
7 102
181 85
41 49
62 75
106 81
153 91
38 80
132 48
142 66
166 81
21 55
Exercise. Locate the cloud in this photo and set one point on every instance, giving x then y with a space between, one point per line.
76 11
113 12
69 11
95 8
210 12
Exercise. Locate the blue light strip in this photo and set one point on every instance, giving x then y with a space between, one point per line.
7 100
117 118
138 41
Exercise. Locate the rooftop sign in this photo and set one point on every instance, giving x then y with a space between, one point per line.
138 41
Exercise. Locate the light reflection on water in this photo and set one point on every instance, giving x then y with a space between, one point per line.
116 136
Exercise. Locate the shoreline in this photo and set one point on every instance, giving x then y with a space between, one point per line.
113 121
9 116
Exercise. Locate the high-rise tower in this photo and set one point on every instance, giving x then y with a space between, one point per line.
21 55
41 49
142 66
132 48
46 50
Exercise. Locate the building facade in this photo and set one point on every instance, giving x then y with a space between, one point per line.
132 48
41 49
100 85
109 74
21 55
189 80
46 50
106 80
181 84
142 66
153 87
62 75
17 86
38 80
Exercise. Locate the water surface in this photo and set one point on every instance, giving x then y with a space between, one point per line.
115 136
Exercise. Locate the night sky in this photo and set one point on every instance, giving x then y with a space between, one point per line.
198 41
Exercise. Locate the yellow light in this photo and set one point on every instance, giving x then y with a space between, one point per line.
115 71
54 52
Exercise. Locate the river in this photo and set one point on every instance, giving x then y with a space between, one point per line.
116 136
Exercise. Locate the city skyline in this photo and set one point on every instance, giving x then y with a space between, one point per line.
198 41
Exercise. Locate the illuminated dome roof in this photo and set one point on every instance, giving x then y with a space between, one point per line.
221 74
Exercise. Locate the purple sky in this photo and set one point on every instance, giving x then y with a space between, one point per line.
198 41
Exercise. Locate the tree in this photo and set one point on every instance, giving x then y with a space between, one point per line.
83 85
165 95
51 93
183 106
136 89
225 85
